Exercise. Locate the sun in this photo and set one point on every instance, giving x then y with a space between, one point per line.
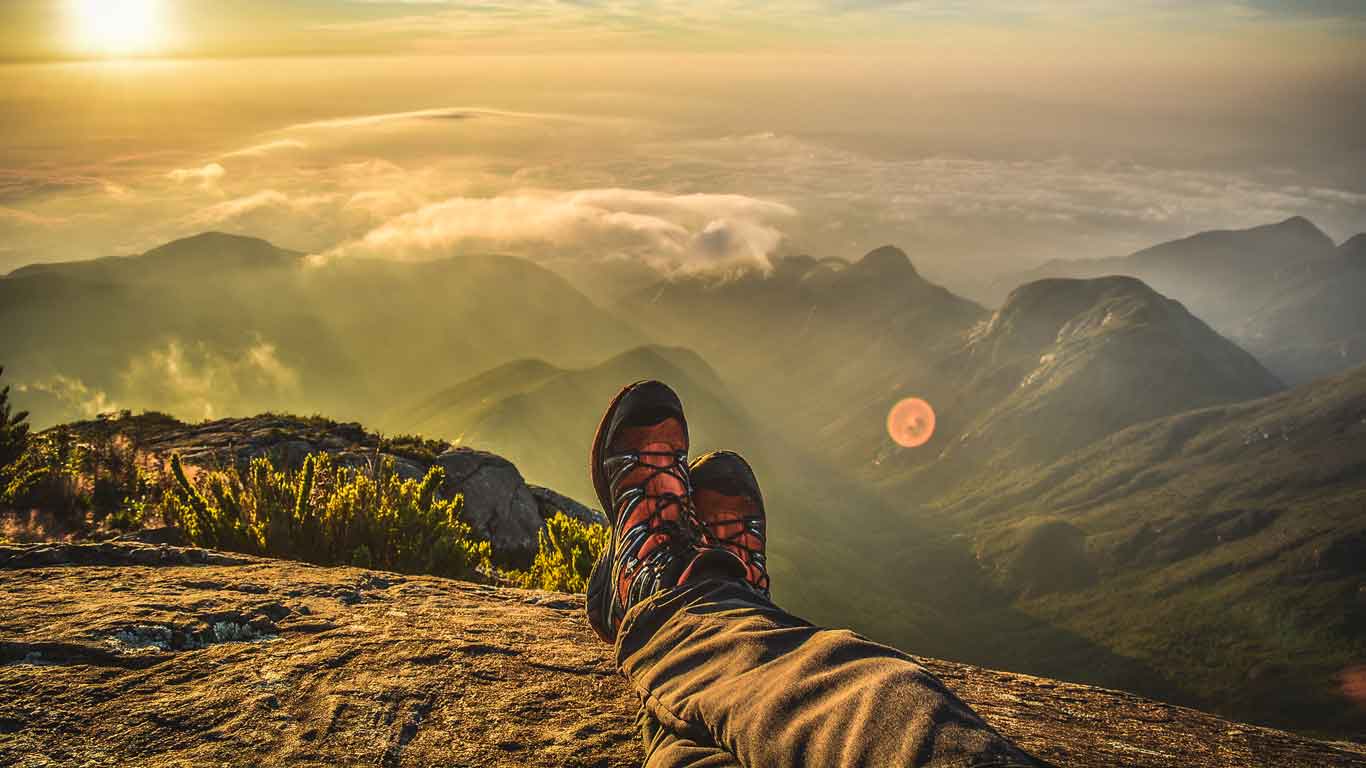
117 27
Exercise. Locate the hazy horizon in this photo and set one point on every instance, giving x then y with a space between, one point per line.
682 136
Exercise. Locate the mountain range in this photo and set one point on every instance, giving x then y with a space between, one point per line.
1121 488
1066 362
1283 291
217 324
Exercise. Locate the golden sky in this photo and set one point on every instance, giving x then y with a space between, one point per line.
46 29
980 136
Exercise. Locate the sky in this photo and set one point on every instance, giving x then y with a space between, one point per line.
981 137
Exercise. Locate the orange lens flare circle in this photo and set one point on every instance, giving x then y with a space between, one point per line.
1354 684
910 423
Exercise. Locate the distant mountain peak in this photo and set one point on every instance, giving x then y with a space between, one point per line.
886 260
1354 250
1060 298
1297 223
656 354
1296 228
217 242
1096 286
205 252
1294 238
1044 314
214 237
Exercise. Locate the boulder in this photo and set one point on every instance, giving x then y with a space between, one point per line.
549 502
498 504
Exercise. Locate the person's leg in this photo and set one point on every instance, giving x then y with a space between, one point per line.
640 472
718 664
681 590
665 748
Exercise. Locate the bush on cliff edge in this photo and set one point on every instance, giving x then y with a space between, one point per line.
330 515
564 559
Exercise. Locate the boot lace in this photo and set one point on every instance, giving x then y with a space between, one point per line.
646 574
736 542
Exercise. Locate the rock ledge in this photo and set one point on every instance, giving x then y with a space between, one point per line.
137 655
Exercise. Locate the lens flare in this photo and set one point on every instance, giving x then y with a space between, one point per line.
910 423
1354 684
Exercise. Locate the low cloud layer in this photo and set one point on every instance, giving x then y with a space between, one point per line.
389 118
265 148
193 381
63 398
690 232
650 186
206 176
189 379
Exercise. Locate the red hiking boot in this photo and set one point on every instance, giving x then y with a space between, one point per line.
730 511
639 467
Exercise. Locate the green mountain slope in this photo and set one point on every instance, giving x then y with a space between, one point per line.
1226 546
221 324
1065 363
815 338
1062 364
545 416
457 408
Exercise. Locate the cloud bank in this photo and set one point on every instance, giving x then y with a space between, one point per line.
207 176
664 189
64 398
690 232
193 381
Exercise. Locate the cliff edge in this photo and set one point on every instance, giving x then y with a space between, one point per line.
136 655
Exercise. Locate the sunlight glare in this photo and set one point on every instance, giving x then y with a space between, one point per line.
116 27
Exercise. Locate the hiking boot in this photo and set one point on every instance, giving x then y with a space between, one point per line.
729 509
639 467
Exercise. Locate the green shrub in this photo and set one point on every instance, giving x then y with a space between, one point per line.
414 447
13 432
47 476
83 481
330 515
568 549
119 488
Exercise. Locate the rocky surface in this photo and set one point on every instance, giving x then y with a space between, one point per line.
132 655
499 504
